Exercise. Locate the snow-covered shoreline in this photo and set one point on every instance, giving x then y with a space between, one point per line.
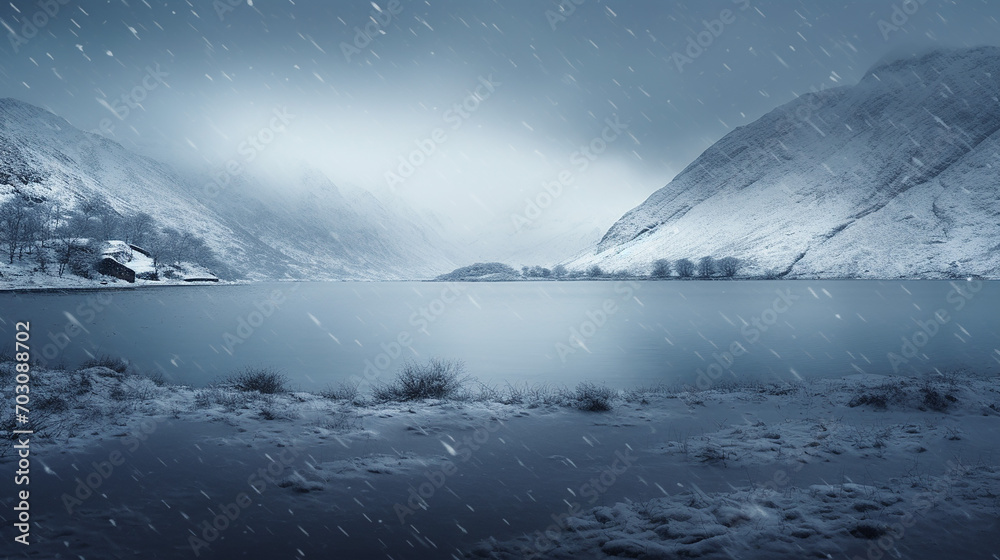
44 283
109 286
23 277
61 284
770 467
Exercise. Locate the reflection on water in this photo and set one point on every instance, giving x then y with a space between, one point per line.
623 333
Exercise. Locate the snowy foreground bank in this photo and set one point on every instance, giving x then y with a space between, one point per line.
858 467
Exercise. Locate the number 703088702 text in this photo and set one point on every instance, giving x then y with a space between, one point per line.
22 431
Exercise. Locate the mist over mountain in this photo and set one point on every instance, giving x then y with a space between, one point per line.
299 225
892 177
895 176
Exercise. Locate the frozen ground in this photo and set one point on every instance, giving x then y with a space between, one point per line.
825 469
24 277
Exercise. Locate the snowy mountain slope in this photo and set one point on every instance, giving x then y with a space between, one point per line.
313 233
348 234
895 176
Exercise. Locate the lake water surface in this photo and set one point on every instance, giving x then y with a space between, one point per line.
621 333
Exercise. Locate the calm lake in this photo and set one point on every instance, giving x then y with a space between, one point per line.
620 333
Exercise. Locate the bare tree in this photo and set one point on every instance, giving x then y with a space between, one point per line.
41 251
81 225
161 246
661 269
32 231
95 218
169 247
50 215
137 228
199 252
729 266
685 268
559 271
706 267
66 248
70 236
83 259
184 247
109 224
535 272
13 215
595 271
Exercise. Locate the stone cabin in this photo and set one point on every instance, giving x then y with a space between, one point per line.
110 267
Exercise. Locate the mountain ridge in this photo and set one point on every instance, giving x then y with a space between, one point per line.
788 191
298 227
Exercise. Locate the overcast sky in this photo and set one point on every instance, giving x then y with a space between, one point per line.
354 108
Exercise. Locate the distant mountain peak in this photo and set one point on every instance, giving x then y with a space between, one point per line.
908 58
13 106
892 177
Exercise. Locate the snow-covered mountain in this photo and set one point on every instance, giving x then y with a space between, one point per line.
896 176
300 225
